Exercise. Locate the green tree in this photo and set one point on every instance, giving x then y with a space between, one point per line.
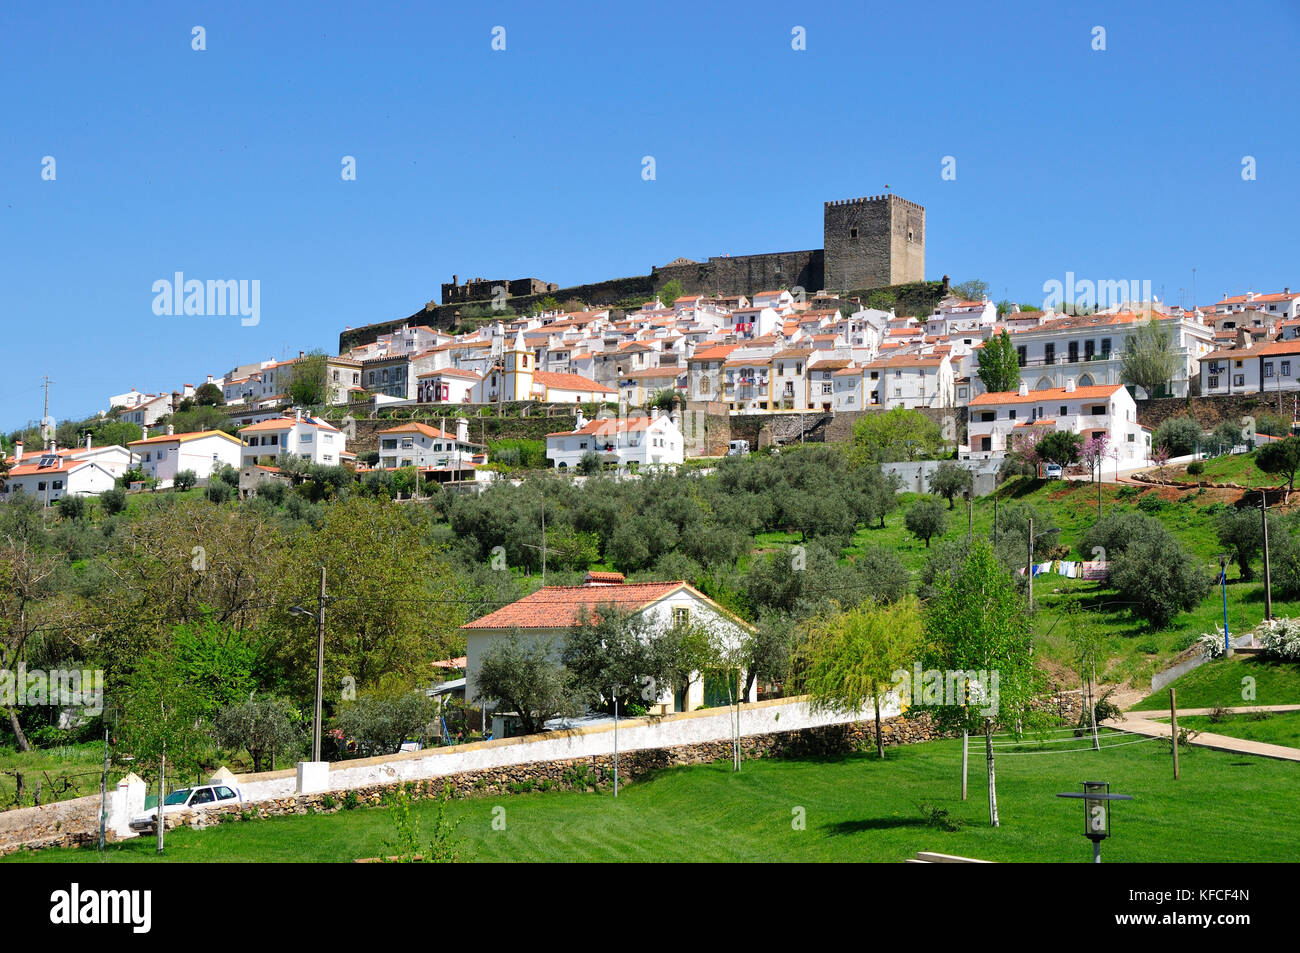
262 726
670 292
199 419
1241 534
616 655
380 721
1179 435
209 395
973 290
1149 358
852 659
926 518
895 435
1227 435
999 364
1159 578
185 479
950 480
1281 457
309 380
977 627
522 675
1060 447
590 463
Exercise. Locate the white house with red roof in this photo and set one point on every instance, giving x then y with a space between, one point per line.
548 614
955 316
166 455
998 418
1284 304
909 380
1266 368
450 385
642 440
298 436
415 444
53 474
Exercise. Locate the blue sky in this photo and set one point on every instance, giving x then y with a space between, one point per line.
225 163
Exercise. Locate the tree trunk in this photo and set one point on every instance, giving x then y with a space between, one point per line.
23 743
993 787
880 744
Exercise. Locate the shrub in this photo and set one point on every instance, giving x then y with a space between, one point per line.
72 507
113 501
1151 504
219 491
1159 578
185 480
1179 435
1195 468
1280 638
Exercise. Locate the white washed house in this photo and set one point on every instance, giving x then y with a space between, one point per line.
164 456
547 614
298 436
640 440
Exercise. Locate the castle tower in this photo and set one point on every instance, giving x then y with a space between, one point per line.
518 370
872 242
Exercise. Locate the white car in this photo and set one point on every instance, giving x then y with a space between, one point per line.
1052 471
197 798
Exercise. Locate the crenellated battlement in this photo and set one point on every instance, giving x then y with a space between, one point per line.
871 199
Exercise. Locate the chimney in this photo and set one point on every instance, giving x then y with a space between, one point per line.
301 354
1069 385
462 430
87 441
654 413
170 430
604 579
18 451
1024 389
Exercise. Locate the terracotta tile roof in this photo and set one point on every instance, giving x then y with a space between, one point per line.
425 429
716 353
1277 296
452 372
569 382
183 437
1096 392
607 426
557 607
285 423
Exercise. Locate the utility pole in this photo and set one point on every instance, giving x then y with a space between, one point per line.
46 416
1268 580
160 820
103 789
320 669
1029 566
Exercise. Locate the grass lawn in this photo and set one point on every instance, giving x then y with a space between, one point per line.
79 766
1236 468
1270 727
856 809
1220 683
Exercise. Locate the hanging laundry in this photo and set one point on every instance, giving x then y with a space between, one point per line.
1067 568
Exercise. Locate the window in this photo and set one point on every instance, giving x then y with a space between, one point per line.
1239 380
681 616
1089 348
40 487
162 455
1286 368
826 388
1268 368
336 377
1073 349
305 438
1020 355
1130 438
1049 353
57 485
1105 346
1064 410
1011 414
853 233
1214 380
407 443
327 438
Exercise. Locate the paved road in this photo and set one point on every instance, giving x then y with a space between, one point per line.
1139 725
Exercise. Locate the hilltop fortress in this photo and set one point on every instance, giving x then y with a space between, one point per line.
875 241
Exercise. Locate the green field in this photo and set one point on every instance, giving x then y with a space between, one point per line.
856 809
62 773
1220 684
1270 727
1237 468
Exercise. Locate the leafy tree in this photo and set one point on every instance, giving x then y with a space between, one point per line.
1149 358
1178 435
1111 535
185 479
879 496
852 659
1241 534
670 292
1274 425
261 725
1227 435
380 721
616 655
950 480
209 395
590 463
999 364
666 399
1284 563
309 380
113 501
926 518
1159 578
1060 447
218 491
767 651
73 507
108 432
973 290
1281 457
895 435
976 624
199 419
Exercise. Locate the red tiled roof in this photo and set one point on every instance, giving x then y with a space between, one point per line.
557 607
569 382
1095 392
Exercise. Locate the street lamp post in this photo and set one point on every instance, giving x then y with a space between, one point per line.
1096 812
320 662
1223 585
